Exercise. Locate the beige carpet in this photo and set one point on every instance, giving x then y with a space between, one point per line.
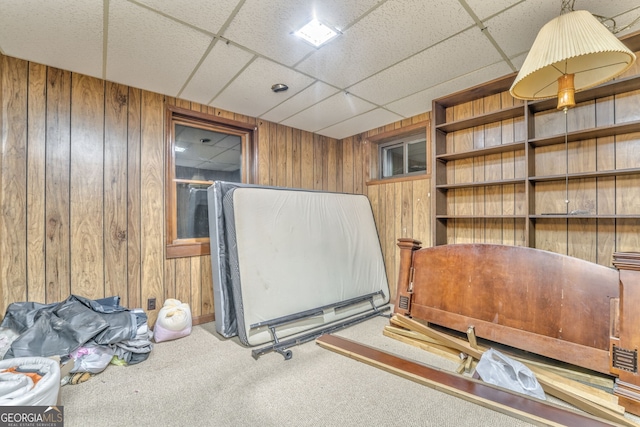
206 380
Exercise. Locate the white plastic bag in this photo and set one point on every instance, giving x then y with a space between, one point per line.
17 389
498 369
174 321
91 358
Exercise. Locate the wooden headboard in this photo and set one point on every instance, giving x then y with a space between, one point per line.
546 303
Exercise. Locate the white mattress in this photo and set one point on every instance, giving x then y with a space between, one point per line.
292 250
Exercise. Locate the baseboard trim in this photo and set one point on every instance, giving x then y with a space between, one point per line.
205 318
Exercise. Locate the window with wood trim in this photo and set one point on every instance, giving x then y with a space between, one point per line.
201 149
400 153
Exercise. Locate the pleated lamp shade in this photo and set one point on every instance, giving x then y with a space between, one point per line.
572 52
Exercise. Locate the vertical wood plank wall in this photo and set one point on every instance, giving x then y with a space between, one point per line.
82 189
401 207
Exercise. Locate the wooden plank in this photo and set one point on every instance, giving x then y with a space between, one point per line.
421 201
57 250
36 167
318 151
13 176
296 160
196 287
207 306
273 154
550 383
183 280
282 155
87 174
306 152
115 190
347 165
152 199
263 152
332 164
517 406
134 225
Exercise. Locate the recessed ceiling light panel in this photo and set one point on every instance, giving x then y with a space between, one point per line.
316 33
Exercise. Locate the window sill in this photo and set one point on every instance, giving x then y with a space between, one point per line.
182 250
398 179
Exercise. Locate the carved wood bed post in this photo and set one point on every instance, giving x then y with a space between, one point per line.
624 346
404 291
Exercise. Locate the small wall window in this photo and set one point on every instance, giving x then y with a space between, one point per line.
401 153
405 157
201 149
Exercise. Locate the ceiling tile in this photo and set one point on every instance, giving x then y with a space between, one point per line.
66 34
304 99
149 51
391 33
251 92
420 102
222 64
337 108
515 29
484 9
362 123
205 14
266 26
456 56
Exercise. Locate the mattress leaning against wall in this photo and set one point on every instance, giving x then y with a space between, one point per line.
277 251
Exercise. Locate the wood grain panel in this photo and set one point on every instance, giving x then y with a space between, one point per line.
152 199
288 145
273 154
282 156
87 204
13 203
421 210
331 158
605 247
206 284
406 209
57 246
263 152
36 167
362 165
115 189
170 278
306 154
347 165
183 279
318 171
195 298
582 239
296 160
133 298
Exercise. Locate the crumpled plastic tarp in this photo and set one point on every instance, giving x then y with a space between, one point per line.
60 328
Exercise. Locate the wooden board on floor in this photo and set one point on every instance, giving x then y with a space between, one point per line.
521 407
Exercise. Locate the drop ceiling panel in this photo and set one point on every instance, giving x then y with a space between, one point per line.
420 102
337 108
251 92
149 51
205 14
458 55
65 34
254 28
304 99
361 123
485 9
391 33
220 66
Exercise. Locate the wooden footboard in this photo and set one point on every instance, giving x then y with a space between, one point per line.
554 305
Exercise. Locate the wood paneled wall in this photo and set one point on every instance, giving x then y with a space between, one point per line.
82 189
401 207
